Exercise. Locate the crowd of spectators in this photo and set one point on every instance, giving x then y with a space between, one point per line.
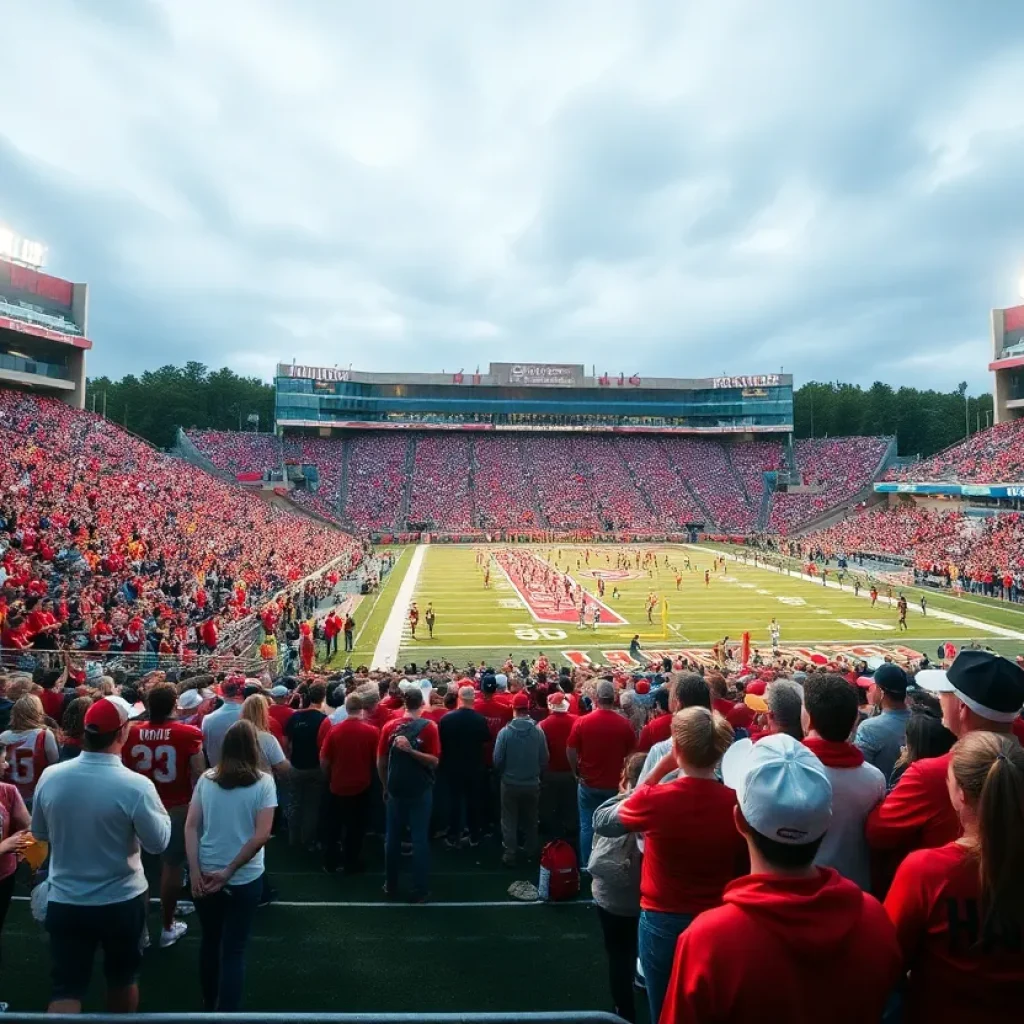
859 831
326 453
991 456
837 468
502 495
706 467
984 555
112 545
562 477
376 480
441 476
564 482
237 451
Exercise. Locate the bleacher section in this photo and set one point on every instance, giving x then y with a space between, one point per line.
836 467
995 455
578 482
84 500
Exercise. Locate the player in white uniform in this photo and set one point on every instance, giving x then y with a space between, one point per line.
775 631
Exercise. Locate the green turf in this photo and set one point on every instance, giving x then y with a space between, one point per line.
477 624
386 958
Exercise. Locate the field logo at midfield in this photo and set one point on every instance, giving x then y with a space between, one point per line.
543 605
611 574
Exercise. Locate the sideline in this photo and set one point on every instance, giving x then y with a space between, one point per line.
938 613
386 653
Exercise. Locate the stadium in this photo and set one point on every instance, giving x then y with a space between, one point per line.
531 522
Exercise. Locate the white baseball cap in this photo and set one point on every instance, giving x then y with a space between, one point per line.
781 787
189 700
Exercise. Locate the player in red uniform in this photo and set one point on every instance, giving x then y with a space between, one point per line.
170 754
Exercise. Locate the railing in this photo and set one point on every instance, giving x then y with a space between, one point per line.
582 1017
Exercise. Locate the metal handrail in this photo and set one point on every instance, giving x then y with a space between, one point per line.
581 1017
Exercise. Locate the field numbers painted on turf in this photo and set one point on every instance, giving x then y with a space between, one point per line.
765 593
533 633
793 601
726 579
866 624
748 586
822 611
510 602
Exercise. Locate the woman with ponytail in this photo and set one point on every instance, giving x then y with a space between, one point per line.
959 908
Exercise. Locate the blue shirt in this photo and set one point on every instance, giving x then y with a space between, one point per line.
881 738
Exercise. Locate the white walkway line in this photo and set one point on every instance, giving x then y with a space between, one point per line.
397 904
938 613
386 654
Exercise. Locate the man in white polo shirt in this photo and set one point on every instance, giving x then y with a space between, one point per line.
96 813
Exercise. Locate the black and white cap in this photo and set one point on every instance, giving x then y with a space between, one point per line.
992 687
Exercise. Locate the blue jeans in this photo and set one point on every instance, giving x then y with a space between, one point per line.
413 812
589 800
226 918
657 947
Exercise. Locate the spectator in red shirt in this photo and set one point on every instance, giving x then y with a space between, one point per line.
692 849
980 692
170 753
598 746
559 812
407 755
959 908
347 758
280 709
824 949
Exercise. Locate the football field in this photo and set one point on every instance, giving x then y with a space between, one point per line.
486 611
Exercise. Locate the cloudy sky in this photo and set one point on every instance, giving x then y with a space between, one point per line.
683 188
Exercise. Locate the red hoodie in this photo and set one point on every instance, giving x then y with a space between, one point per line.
933 903
800 950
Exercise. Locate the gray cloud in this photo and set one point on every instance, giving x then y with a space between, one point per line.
654 186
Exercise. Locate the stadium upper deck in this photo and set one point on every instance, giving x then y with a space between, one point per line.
42 326
532 396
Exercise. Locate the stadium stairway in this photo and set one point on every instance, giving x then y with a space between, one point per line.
471 476
410 466
738 476
709 519
766 502
343 482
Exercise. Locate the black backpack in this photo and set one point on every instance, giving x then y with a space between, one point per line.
406 776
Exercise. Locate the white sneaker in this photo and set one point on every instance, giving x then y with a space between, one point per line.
144 939
170 937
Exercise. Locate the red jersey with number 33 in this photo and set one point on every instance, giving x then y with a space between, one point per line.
161 753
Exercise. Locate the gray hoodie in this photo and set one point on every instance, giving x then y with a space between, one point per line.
521 753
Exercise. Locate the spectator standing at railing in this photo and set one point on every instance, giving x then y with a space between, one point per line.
306 777
96 813
31 746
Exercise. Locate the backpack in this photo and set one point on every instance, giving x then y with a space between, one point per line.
408 778
559 875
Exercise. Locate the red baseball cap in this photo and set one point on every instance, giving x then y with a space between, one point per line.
107 715
643 686
520 702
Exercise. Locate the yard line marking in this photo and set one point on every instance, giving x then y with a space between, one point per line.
386 654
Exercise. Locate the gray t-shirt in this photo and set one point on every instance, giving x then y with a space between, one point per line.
229 822
215 726
880 739
95 813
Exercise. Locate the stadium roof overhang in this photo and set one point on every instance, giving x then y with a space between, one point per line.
39 331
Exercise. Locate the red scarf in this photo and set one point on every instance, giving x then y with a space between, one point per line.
834 755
